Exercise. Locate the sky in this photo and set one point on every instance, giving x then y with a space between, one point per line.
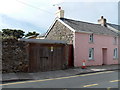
38 15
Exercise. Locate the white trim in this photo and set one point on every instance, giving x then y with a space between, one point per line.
67 25
57 19
72 28
110 27
80 31
91 52
91 38
50 27
115 53
84 32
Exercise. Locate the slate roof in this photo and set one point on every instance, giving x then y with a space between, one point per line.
88 27
43 41
117 27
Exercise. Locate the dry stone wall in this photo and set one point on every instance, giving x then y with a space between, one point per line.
14 56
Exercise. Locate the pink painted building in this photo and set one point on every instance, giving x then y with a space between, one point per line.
97 44
97 52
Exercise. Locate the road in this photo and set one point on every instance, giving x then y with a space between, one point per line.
108 79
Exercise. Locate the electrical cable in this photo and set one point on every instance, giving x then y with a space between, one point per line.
33 6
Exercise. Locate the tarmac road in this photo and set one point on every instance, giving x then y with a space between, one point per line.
107 79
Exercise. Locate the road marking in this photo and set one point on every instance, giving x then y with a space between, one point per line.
115 81
55 78
97 73
90 85
108 88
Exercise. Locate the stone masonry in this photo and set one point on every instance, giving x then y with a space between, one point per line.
60 32
14 56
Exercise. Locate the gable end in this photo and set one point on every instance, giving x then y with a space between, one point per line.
60 32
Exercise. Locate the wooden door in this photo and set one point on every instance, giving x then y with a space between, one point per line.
104 52
46 57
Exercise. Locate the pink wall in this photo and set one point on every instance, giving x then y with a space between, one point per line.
81 49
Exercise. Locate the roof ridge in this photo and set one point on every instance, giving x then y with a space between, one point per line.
114 24
86 26
88 22
79 21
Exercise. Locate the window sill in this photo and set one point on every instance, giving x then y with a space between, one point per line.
91 60
115 58
91 42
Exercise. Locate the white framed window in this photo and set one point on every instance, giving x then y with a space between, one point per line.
91 53
115 53
91 38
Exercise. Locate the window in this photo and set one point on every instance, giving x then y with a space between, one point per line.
91 53
91 38
115 55
115 40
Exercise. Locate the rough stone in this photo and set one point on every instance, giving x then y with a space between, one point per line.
60 32
14 56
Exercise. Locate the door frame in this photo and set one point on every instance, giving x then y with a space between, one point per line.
104 56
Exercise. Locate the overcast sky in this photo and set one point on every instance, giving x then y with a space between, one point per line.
38 15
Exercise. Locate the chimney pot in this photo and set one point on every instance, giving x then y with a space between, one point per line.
59 8
60 13
102 17
102 21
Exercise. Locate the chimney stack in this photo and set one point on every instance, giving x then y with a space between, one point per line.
60 13
102 21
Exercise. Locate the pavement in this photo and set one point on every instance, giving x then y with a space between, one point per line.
108 79
9 77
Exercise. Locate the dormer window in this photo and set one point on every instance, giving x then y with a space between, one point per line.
91 38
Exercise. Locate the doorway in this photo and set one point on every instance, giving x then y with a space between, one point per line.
104 56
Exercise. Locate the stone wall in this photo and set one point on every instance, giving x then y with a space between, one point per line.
60 32
14 56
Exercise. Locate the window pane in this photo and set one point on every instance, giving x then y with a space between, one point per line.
115 55
91 38
91 53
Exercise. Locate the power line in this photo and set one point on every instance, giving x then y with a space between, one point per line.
33 6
